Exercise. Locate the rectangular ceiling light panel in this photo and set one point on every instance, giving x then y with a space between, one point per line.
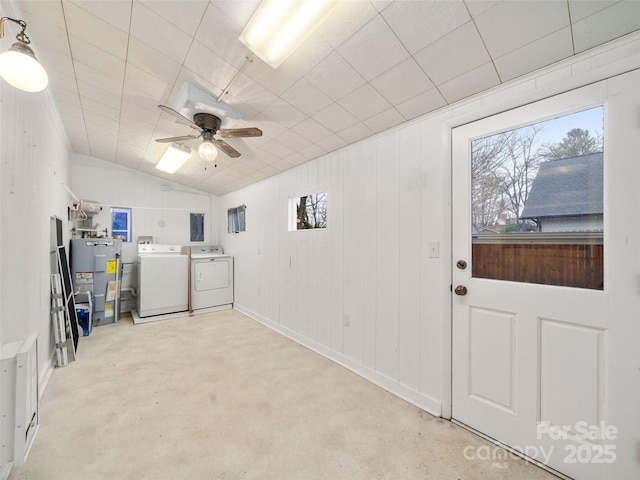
173 158
279 27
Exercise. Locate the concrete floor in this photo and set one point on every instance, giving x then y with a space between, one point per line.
221 396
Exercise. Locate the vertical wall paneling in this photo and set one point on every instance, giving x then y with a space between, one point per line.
388 275
354 258
323 276
336 231
409 257
367 156
435 274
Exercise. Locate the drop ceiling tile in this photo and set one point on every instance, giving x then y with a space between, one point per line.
384 120
284 113
43 35
89 105
404 81
208 65
276 81
306 97
345 21
219 33
422 104
612 22
375 36
380 5
100 60
312 51
68 110
97 79
276 148
62 95
332 143
114 12
150 28
56 62
478 7
39 10
365 102
579 9
265 157
355 133
292 141
251 93
543 52
184 15
311 130
335 77
95 31
140 83
239 12
335 118
419 23
270 128
107 126
511 25
454 54
311 152
152 61
475 81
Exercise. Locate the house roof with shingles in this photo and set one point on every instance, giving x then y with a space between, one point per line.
567 187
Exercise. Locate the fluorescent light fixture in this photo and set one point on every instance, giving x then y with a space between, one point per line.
279 27
19 66
173 158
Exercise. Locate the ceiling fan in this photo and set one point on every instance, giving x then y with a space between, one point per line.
209 125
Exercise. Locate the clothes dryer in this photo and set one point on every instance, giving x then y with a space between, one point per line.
211 277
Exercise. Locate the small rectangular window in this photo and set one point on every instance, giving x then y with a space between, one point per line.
197 227
308 211
236 219
121 223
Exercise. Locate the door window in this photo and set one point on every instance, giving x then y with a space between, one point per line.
537 202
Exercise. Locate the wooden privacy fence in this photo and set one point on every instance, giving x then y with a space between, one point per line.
574 261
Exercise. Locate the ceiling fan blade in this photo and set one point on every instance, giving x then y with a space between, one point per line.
226 148
240 132
177 139
178 116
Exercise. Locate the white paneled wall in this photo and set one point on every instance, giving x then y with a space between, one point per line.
160 208
372 291
354 291
34 163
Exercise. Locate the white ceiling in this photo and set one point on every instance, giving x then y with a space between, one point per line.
372 65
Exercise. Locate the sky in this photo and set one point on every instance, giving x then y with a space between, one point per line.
556 129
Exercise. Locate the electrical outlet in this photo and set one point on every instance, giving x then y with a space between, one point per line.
346 319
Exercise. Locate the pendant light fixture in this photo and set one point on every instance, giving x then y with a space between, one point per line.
18 65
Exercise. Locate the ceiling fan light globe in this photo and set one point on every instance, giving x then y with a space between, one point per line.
208 151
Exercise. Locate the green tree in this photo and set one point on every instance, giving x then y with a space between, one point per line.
576 142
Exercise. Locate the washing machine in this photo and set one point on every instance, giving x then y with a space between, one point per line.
211 277
164 280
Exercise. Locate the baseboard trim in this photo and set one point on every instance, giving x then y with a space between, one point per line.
426 403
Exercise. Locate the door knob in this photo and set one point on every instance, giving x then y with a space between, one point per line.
460 290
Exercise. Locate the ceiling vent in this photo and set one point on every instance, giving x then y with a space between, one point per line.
192 100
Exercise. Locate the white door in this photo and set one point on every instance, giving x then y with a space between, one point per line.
530 330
